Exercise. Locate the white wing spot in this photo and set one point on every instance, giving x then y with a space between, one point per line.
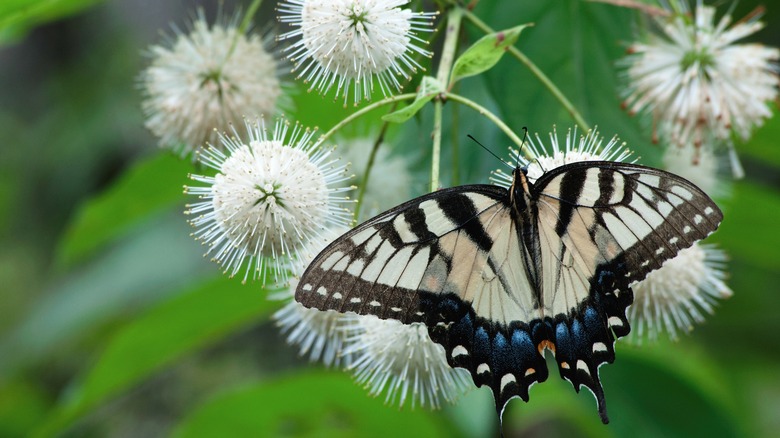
307 287
375 304
709 210
419 313
697 219
337 296
614 321
355 300
483 368
581 365
395 309
686 229
660 250
645 263
507 379
322 291
682 192
599 346
673 240
459 351
565 365
529 371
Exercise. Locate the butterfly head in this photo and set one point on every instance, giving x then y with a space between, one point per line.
520 191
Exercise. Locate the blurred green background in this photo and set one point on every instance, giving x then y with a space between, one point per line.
113 324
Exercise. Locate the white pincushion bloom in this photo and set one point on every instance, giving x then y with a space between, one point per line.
347 43
697 82
204 81
675 296
389 182
322 335
540 158
270 196
403 362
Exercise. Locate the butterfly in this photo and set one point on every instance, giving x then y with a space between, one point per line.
500 275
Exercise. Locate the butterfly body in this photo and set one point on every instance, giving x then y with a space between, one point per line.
500 275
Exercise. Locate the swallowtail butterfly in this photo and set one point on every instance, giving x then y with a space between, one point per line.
500 275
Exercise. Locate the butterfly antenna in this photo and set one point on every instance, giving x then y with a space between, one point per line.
489 151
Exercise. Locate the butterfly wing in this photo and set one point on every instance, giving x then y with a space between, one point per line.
452 260
604 226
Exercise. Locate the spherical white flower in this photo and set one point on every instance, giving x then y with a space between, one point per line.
402 361
320 334
539 158
206 80
697 82
271 195
389 182
673 297
348 42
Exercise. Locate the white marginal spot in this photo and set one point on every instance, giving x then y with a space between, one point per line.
483 368
459 350
395 309
507 379
697 219
673 240
419 313
322 291
374 303
614 321
682 192
581 365
599 346
355 300
307 287
660 250
332 259
709 210
686 229
337 296
645 263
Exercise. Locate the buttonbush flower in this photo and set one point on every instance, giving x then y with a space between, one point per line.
346 43
271 194
675 296
699 84
205 80
403 362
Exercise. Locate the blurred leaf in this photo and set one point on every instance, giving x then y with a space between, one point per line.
148 187
752 207
429 88
186 323
763 145
19 16
576 44
485 53
314 404
22 407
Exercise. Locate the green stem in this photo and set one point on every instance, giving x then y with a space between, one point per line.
241 31
454 19
363 111
369 166
536 72
489 115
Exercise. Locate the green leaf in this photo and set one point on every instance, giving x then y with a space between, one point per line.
19 16
186 323
429 88
149 187
321 404
485 53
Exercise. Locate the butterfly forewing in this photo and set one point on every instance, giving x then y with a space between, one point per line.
497 284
